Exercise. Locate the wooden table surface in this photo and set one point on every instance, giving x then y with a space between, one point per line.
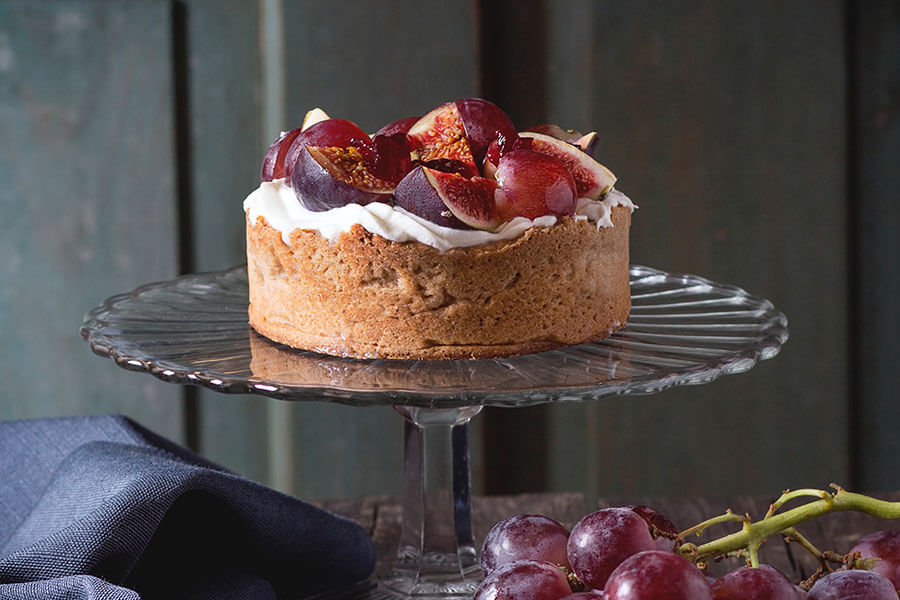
382 518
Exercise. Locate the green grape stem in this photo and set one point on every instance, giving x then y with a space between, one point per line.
753 534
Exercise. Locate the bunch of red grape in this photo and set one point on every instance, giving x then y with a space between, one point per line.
628 553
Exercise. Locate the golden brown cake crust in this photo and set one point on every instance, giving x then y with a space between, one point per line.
367 297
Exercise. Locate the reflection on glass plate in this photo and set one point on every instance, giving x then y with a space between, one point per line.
683 329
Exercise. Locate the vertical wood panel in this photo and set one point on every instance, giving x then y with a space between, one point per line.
222 128
876 203
725 122
87 194
370 63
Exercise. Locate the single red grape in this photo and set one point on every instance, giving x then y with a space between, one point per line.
524 580
853 585
885 546
524 537
603 539
657 575
746 583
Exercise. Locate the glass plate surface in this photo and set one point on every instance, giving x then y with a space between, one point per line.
683 329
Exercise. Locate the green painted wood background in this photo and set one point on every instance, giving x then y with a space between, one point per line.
761 141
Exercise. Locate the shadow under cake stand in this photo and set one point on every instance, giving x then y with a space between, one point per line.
683 329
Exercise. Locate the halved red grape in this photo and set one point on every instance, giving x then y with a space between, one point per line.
532 184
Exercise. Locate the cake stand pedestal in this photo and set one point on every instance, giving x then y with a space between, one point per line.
683 329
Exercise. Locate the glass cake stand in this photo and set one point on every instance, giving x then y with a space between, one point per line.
683 329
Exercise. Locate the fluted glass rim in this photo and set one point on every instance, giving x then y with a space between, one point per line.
683 330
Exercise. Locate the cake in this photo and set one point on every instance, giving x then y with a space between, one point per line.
442 237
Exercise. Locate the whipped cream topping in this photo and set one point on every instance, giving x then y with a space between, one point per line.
277 203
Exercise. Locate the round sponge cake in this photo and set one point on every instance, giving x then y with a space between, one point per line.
365 296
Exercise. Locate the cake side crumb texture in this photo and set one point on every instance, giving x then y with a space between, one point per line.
367 297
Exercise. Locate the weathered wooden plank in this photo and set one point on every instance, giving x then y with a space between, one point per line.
725 122
218 58
370 63
382 517
87 172
874 198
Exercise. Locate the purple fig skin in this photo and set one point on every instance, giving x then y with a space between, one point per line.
319 191
416 195
483 122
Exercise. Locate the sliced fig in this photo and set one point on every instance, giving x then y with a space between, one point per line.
592 179
484 122
273 161
398 126
448 199
329 177
471 200
532 184
441 134
329 133
416 194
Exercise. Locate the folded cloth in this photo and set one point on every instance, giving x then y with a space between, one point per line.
102 508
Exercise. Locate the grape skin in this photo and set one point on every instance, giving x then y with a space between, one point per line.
524 537
524 580
746 583
884 545
603 539
853 585
657 575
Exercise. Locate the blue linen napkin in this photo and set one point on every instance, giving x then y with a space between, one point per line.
102 508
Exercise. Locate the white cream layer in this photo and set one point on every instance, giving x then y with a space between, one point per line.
276 201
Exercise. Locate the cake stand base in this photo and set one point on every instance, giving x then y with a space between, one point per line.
437 556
